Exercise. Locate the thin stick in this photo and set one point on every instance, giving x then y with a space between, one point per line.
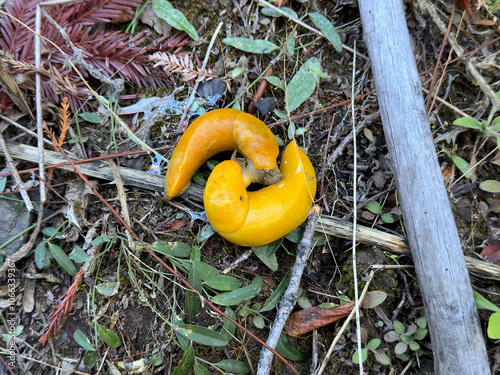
289 299
38 83
22 128
15 174
355 215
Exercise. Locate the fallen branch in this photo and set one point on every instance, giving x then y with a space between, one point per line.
289 299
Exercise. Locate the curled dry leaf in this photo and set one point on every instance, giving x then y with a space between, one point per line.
313 318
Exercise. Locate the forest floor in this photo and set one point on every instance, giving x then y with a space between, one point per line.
87 294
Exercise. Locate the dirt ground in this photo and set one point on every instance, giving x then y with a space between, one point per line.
123 313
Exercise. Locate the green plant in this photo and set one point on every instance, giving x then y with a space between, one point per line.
493 330
406 337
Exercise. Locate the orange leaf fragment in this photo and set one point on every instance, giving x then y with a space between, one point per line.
306 320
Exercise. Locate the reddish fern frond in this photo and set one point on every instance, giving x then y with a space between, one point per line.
60 311
114 54
14 35
181 64
92 11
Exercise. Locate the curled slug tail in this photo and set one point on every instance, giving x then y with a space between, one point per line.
226 197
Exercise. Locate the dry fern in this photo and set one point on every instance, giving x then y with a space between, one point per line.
181 64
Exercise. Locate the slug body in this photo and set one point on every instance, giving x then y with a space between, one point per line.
259 217
223 130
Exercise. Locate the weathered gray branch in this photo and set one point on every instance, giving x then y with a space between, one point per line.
457 340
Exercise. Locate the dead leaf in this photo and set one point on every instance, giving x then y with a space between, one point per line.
313 318
176 224
492 252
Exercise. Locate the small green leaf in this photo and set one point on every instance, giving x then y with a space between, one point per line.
284 348
387 218
381 357
212 164
494 326
199 179
291 130
201 335
100 240
251 45
206 232
235 73
183 342
186 364
258 321
224 283
290 46
422 322
234 366
303 84
109 288
267 254
272 13
275 81
328 29
50 231
373 344
275 297
374 207
206 271
108 336
467 122
192 300
300 131
414 346
374 299
399 327
200 370
420 334
243 294
63 260
391 336
174 18
92 117
364 355
228 327
41 258
495 124
90 359
304 302
400 348
483 303
82 340
491 186
78 255
462 165
368 134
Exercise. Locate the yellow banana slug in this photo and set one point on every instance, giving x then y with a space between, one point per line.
254 218
223 130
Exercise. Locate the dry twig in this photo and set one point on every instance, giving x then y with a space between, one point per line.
289 298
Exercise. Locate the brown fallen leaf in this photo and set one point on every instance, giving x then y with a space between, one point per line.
492 252
306 320
176 224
